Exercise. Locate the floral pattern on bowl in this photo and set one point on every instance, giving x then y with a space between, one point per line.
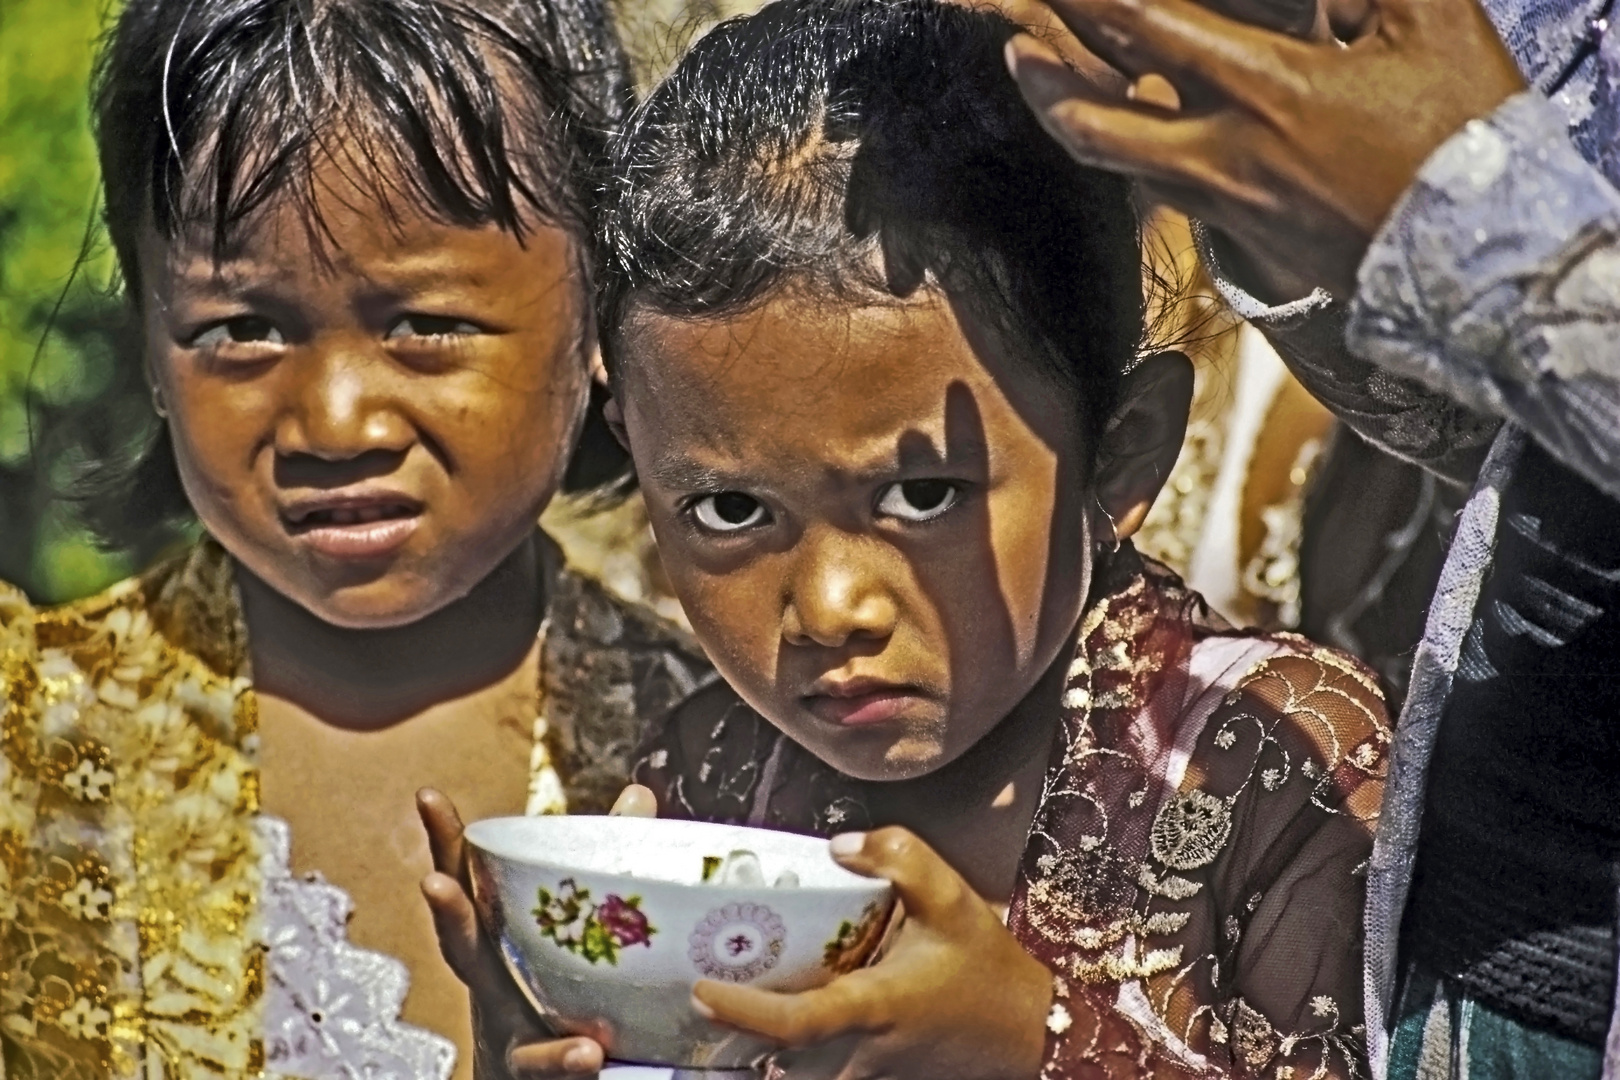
852 946
737 943
594 931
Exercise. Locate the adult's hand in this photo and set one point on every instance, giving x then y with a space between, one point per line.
956 998
509 1041
1294 150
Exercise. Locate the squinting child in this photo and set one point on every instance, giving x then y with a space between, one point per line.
355 234
879 357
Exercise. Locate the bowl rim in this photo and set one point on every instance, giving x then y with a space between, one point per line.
855 883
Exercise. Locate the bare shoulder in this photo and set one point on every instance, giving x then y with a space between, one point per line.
1323 707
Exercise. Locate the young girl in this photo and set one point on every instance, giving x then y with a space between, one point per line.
877 356
354 235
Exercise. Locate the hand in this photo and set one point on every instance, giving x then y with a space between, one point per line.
956 998
509 1039
1296 151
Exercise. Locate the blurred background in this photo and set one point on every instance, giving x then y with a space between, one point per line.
64 397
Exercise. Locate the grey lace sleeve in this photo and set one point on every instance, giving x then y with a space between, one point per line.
1393 411
1496 282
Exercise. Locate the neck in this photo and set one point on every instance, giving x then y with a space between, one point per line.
372 679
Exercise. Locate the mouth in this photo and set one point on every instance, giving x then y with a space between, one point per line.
862 702
358 525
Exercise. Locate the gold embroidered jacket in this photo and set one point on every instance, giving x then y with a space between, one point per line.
131 854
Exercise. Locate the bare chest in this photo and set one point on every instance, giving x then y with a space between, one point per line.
349 800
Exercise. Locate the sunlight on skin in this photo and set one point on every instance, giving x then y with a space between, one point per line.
886 639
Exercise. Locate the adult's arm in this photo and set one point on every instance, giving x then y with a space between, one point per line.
1395 412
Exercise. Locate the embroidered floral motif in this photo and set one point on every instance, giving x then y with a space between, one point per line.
85 1020
90 781
1253 1038
1191 830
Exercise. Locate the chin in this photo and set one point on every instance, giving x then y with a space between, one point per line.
378 605
905 758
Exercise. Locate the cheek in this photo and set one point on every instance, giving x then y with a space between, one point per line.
218 439
510 444
733 613
1038 542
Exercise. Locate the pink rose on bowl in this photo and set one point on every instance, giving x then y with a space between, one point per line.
624 919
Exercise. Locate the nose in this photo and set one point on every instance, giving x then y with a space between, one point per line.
341 408
839 591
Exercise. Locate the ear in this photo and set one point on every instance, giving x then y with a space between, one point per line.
1140 444
614 418
599 372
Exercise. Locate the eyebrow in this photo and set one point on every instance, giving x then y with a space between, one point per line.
409 277
680 471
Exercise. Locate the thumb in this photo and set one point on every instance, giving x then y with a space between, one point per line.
635 800
933 893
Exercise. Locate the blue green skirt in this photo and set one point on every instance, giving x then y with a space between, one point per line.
1442 1033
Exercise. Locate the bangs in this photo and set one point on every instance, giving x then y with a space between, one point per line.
472 114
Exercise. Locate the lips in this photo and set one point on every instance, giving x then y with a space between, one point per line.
354 525
861 702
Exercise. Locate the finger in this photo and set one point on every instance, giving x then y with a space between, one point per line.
635 801
841 1007
1138 139
1039 21
933 893
456 924
554 1057
1181 39
444 831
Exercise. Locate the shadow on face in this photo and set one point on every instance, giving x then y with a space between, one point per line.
368 414
875 517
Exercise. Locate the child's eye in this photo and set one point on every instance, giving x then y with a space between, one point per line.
918 500
244 330
431 326
728 511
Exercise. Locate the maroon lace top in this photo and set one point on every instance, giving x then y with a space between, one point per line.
1194 872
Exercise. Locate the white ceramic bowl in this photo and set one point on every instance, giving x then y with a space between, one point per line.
606 922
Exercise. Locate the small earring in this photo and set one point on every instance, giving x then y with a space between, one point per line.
157 403
1113 529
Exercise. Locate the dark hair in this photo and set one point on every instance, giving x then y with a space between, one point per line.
476 112
860 147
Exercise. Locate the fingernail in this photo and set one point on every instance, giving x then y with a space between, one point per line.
701 1009
849 843
579 1059
1009 53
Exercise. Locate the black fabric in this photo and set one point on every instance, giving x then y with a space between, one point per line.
1514 896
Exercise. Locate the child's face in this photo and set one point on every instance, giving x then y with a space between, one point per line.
875 519
372 423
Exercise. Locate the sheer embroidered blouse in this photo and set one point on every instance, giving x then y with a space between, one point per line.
1194 872
149 924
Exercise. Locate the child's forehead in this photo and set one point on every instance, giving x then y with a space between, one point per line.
804 379
809 339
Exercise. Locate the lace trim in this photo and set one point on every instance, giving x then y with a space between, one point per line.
332 1008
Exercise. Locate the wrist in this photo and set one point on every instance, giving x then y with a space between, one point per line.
1035 995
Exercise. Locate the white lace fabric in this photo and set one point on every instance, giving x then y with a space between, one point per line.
332 1008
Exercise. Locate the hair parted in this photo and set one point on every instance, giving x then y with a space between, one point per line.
473 112
859 149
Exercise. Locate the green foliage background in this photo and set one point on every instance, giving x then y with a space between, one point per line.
67 396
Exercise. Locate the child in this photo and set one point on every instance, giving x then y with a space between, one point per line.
876 353
354 232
